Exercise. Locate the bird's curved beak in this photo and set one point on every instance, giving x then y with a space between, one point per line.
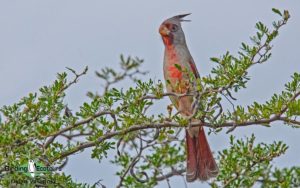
164 31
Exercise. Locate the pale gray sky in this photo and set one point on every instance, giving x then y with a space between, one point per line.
40 38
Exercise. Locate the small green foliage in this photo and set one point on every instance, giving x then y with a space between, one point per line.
277 11
231 72
161 158
101 149
286 177
278 105
245 163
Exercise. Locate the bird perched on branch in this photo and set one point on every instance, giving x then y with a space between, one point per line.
180 72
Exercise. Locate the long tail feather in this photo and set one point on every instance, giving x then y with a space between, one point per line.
191 166
200 161
207 166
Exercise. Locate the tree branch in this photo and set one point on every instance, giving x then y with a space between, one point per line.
170 124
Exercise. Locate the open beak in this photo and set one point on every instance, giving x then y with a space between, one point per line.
164 31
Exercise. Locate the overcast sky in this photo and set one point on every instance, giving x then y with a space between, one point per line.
40 38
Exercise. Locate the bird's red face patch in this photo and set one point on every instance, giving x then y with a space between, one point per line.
168 40
165 31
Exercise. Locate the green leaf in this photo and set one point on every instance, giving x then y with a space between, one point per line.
178 66
276 11
214 59
170 131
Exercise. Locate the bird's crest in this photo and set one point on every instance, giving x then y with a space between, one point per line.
181 16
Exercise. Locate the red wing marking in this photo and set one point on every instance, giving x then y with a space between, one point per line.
175 72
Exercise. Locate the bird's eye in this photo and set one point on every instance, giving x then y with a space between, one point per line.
174 28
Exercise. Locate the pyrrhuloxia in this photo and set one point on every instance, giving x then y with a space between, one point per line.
200 162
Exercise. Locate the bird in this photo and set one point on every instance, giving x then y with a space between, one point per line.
178 68
31 167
